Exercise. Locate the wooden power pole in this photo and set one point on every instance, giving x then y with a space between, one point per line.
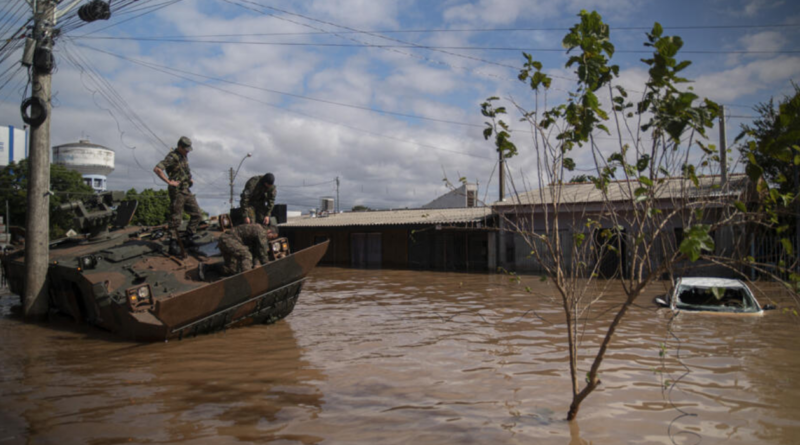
723 148
502 177
37 226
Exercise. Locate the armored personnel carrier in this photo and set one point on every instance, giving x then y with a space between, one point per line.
143 284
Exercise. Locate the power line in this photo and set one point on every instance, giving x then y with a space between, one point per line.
172 72
428 47
489 30
395 50
313 99
120 8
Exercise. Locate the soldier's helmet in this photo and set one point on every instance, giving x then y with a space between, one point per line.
269 179
185 142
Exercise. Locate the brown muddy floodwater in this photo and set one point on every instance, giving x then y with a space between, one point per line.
398 357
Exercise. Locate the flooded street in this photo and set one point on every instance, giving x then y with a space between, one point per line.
397 357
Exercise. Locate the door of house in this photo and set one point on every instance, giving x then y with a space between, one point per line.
365 250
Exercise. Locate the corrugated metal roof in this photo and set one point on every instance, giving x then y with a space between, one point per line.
586 192
393 217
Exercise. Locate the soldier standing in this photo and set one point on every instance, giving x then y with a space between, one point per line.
258 199
235 247
179 178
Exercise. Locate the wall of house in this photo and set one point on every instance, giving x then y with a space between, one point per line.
423 248
453 249
516 253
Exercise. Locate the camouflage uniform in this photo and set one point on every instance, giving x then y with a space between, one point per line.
258 199
235 247
176 167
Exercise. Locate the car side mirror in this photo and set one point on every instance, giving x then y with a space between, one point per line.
769 307
661 302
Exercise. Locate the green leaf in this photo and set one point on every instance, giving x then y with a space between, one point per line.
646 181
696 240
740 206
787 246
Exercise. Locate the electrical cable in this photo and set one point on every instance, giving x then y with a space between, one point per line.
164 68
428 47
114 98
490 30
394 50
250 98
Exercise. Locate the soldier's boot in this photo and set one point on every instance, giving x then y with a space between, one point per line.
180 252
188 240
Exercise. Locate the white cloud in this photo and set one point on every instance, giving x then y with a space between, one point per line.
361 14
752 8
764 41
747 79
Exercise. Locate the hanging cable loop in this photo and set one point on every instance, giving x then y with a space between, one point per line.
38 111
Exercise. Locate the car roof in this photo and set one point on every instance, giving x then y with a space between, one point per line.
711 282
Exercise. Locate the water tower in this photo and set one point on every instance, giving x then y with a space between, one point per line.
94 162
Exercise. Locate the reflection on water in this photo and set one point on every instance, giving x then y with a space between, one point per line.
372 356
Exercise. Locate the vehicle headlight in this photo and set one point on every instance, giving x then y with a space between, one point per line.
276 247
139 298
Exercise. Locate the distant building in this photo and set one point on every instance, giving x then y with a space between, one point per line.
94 162
460 198
13 144
443 239
579 203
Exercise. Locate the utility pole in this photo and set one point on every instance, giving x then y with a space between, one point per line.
37 236
37 225
723 148
502 164
337 194
231 176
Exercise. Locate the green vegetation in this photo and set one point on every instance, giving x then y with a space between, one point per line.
153 208
66 185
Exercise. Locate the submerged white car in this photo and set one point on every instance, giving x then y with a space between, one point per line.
712 295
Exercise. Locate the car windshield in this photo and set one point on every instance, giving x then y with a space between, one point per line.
729 299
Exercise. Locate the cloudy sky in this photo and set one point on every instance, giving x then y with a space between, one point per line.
320 89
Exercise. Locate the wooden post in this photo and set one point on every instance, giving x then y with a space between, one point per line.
231 174
723 148
502 176
37 236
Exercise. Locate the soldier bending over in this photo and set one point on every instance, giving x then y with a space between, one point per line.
258 199
235 247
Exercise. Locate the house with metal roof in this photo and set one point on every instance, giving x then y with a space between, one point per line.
461 239
573 205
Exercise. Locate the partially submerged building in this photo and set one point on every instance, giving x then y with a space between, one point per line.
457 239
571 206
